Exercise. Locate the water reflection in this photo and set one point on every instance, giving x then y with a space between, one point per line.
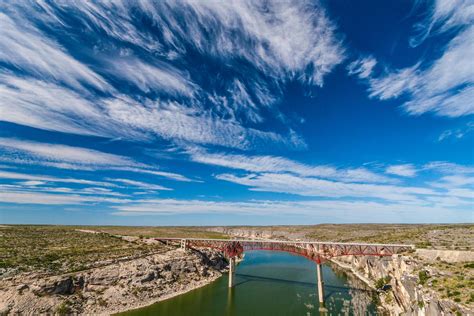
269 283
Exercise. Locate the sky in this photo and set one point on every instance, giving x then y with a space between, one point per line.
236 112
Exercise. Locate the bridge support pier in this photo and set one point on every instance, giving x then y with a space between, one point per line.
319 270
231 271
183 244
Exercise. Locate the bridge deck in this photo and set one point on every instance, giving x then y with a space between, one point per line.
289 242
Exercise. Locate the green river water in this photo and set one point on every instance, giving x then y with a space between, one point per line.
270 283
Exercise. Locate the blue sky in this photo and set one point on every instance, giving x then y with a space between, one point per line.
245 112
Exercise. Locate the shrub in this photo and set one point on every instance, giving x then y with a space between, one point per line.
469 265
380 283
102 302
423 276
63 309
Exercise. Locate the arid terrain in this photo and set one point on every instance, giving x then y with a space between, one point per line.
32 256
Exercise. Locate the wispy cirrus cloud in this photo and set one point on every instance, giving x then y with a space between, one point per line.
74 158
149 88
39 104
446 167
275 164
318 211
140 184
457 133
26 197
25 48
149 78
61 153
306 186
43 178
443 16
405 170
362 67
444 86
17 184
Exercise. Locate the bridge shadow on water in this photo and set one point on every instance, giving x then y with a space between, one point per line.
329 289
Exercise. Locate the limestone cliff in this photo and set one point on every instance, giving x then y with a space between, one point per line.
403 294
116 287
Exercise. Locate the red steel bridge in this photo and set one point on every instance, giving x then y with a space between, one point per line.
315 251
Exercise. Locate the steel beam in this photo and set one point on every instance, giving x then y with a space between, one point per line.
319 273
231 271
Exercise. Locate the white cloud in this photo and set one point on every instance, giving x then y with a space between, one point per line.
406 170
286 183
453 182
277 164
444 16
320 211
277 41
73 158
362 67
150 78
139 184
30 177
24 197
62 153
172 121
444 86
39 104
52 107
448 168
27 49
169 175
284 39
32 183
394 84
457 133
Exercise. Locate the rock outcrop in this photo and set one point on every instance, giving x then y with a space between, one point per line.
404 295
120 286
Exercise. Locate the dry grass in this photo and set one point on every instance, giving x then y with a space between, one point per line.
452 280
149 232
60 249
458 237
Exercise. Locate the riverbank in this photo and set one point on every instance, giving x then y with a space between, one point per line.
117 287
402 285
436 281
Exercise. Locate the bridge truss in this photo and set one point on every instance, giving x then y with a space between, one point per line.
315 251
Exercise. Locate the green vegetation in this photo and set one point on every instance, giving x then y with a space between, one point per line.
423 276
62 249
59 249
149 232
380 283
442 236
456 281
63 309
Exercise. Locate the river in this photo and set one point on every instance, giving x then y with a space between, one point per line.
270 283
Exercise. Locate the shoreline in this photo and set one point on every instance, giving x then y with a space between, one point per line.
165 297
354 272
113 289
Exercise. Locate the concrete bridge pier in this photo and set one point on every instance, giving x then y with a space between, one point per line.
183 244
231 271
319 270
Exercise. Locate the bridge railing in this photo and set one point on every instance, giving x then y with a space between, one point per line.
313 250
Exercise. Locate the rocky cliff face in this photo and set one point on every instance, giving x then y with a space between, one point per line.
403 294
257 233
117 287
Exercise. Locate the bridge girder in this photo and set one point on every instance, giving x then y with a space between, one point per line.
315 251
